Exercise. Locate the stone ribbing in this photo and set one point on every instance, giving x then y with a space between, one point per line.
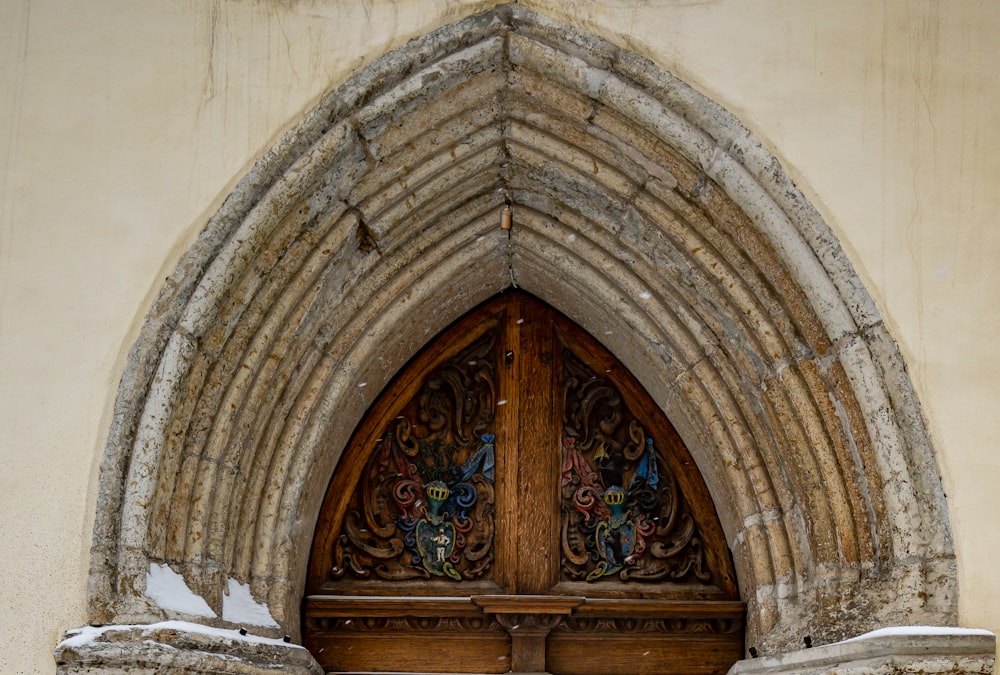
642 210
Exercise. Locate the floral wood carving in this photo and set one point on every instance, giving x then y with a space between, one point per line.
623 515
657 626
399 625
424 504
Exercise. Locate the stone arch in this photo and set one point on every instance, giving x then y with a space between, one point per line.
642 210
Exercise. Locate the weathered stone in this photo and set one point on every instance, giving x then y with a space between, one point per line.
894 652
175 647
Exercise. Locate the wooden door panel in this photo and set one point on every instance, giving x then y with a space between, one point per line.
421 634
514 499
647 636
583 653
402 647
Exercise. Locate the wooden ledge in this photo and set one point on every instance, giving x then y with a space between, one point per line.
662 609
335 606
527 604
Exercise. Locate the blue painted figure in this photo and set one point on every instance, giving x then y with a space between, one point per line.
614 536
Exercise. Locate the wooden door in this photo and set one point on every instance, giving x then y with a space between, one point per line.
515 501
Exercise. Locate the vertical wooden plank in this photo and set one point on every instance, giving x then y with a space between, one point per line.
537 503
507 414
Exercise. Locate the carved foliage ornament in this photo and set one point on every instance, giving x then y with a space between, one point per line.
424 504
622 515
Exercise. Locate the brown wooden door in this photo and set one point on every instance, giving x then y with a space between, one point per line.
514 500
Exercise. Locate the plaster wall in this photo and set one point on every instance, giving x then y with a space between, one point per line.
122 127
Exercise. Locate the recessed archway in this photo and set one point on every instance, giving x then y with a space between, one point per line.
642 211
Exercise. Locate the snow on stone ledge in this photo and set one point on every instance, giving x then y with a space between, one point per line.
918 631
81 637
239 607
909 649
169 591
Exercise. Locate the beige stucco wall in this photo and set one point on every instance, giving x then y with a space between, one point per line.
123 125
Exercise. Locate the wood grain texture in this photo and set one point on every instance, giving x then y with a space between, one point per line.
603 654
526 609
538 444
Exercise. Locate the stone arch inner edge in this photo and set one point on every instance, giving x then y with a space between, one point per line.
643 211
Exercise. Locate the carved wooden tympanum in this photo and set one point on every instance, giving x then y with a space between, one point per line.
514 500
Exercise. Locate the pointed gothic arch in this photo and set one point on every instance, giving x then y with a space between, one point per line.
642 210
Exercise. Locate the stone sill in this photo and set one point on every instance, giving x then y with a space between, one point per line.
177 647
899 650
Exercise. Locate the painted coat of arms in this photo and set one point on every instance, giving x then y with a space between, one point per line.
623 516
424 504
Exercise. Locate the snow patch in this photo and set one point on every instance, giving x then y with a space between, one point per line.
169 591
80 637
919 630
238 606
